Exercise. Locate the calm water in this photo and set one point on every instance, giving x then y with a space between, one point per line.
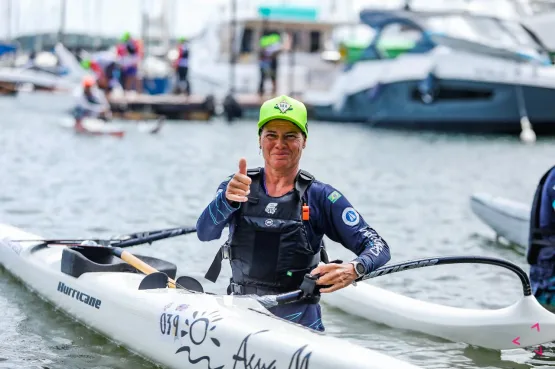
413 188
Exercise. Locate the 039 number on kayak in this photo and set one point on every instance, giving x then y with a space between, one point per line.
169 324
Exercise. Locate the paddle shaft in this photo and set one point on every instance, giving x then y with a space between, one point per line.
297 295
133 239
138 263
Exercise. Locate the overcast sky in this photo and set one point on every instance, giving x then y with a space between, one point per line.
186 17
112 17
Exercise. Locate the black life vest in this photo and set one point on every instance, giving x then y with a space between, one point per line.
269 249
538 237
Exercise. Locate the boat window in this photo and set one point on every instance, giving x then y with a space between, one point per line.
295 40
519 33
314 41
247 41
396 31
481 29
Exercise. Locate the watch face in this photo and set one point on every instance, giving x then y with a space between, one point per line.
360 268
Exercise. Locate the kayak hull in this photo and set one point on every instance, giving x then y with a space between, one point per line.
94 126
179 328
508 219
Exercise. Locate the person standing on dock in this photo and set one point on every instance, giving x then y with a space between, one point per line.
182 68
130 54
278 216
270 47
541 245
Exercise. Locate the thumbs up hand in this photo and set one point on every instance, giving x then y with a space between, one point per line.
239 186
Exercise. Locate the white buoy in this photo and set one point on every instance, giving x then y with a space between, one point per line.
527 134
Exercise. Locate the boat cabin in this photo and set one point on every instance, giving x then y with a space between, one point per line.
399 32
303 30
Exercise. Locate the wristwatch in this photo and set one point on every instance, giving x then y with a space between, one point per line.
359 268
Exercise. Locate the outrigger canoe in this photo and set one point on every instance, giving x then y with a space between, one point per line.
523 324
177 328
509 219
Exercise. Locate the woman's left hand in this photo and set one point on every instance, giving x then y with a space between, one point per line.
338 276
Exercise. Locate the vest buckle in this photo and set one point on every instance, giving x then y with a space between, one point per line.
236 289
226 251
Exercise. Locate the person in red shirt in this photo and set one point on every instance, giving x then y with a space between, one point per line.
181 66
130 53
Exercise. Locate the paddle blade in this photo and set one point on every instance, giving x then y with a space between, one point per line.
190 283
154 281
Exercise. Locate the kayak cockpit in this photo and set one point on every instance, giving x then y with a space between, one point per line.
79 260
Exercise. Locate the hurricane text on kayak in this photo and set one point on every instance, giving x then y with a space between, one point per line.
79 296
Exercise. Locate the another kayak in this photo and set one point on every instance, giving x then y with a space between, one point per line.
95 126
508 219
174 327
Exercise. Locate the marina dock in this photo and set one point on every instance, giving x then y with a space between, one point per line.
174 107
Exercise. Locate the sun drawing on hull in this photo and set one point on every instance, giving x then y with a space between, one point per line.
198 329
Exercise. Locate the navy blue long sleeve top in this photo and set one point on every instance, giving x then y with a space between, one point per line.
331 214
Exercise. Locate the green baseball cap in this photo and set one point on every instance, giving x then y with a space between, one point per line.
126 36
284 107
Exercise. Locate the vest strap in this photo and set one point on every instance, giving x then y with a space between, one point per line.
216 267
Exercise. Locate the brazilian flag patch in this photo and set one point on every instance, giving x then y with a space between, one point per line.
334 196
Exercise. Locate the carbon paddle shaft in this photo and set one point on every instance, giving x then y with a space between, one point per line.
421 263
155 237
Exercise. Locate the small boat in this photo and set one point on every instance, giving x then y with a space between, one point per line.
93 126
509 219
96 126
178 328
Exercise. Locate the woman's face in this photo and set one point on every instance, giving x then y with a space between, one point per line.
282 144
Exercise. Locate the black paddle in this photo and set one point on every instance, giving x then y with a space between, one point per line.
132 239
309 290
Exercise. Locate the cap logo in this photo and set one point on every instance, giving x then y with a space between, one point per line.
283 106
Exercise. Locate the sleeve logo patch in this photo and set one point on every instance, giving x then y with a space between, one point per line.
334 196
350 217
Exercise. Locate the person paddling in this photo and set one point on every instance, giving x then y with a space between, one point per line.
278 216
90 102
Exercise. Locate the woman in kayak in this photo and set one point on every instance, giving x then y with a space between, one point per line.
278 216
541 249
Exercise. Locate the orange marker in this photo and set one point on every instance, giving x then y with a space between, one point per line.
306 212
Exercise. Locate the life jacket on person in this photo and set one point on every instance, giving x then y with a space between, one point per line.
183 55
269 249
538 237
130 51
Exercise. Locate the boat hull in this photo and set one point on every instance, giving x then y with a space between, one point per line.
493 109
508 219
178 328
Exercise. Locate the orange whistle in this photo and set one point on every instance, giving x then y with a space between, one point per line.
306 212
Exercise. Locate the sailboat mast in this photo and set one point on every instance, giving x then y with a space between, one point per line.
61 30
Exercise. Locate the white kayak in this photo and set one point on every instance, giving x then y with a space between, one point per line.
173 327
96 126
509 219
506 328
